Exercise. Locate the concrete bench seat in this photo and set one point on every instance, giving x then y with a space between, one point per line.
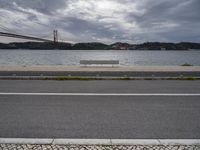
99 62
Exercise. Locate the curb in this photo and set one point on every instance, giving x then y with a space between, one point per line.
144 142
94 78
101 94
25 141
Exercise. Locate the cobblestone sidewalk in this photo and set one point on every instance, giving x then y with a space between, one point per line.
81 147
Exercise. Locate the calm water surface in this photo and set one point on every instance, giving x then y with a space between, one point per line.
73 57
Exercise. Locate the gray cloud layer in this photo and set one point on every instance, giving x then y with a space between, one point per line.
107 21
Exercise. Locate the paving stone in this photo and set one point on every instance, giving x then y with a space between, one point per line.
82 147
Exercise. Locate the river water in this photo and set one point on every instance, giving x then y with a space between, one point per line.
73 57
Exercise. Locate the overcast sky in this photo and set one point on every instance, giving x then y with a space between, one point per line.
108 21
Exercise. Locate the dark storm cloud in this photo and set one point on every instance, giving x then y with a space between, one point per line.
106 20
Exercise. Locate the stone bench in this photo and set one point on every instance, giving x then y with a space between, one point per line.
99 62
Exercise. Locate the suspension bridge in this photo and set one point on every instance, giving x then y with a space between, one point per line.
13 35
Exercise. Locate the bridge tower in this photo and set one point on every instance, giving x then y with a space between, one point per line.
55 36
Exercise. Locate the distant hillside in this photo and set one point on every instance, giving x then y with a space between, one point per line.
101 46
89 46
167 46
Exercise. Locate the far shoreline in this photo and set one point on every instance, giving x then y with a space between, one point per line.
154 46
26 49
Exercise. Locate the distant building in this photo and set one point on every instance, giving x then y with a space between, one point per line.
163 49
120 46
123 48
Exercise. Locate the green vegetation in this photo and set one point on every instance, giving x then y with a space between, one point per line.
187 78
124 78
186 65
72 78
65 78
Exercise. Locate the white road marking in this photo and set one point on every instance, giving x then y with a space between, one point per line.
100 141
101 94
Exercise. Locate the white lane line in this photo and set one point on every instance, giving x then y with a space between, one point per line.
100 141
101 94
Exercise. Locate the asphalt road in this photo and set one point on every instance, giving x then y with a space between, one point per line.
132 117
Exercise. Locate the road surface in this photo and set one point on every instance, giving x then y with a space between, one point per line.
100 109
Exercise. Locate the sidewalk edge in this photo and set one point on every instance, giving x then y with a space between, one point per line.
50 141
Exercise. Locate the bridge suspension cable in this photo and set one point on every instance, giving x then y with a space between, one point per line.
23 37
